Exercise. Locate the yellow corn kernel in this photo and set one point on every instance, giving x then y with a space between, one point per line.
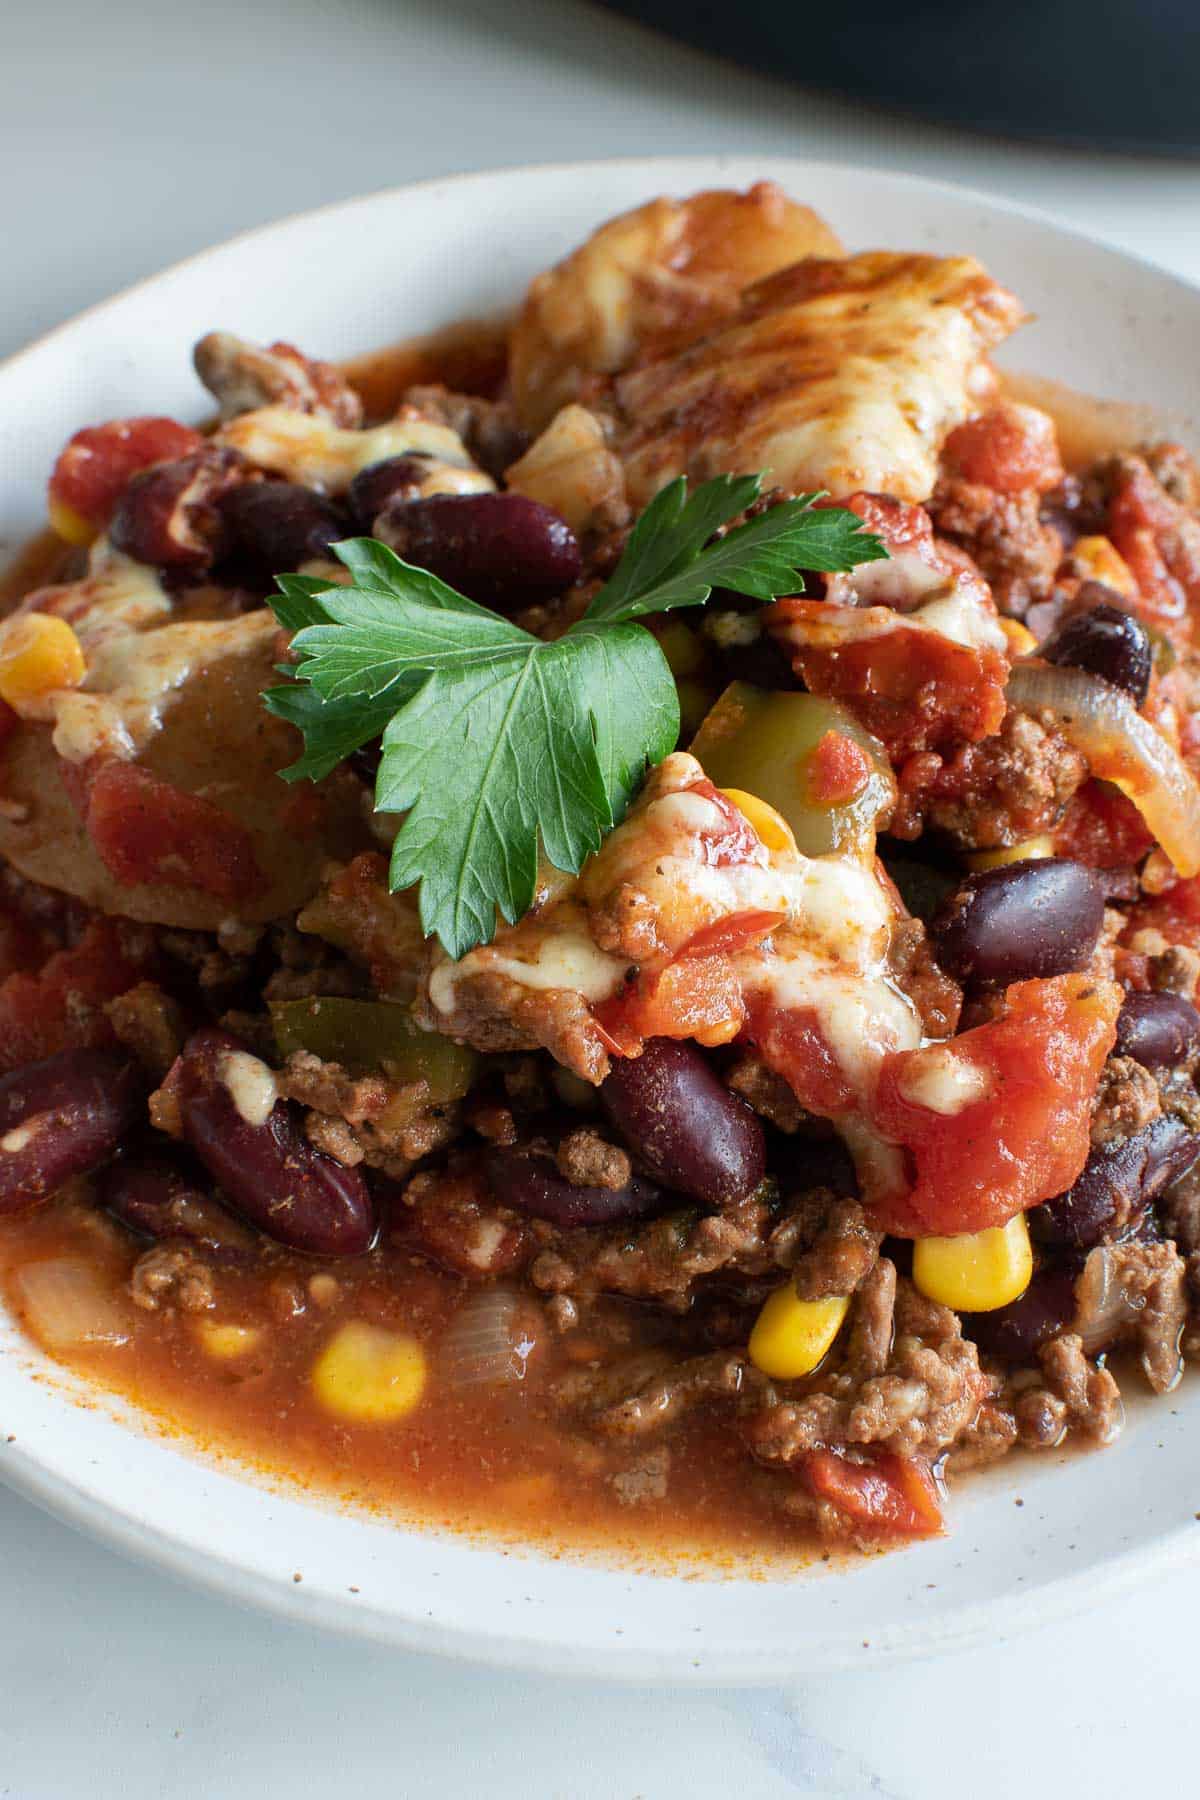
976 1272
1032 849
69 525
791 1336
1098 559
681 647
1021 641
226 1342
369 1375
38 653
770 825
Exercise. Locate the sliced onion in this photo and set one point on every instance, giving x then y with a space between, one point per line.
1103 1306
1122 747
66 1302
489 1340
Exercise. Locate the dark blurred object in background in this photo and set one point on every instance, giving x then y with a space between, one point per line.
1114 74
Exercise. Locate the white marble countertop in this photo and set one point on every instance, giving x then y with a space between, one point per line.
131 136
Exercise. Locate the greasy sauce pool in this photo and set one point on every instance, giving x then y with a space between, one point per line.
470 1458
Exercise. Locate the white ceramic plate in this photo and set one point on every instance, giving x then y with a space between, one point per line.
353 277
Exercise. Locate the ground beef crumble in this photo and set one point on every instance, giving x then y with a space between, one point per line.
173 1275
997 792
929 1392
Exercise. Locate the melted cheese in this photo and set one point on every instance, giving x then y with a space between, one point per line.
903 580
843 375
664 270
559 955
944 1081
831 959
666 850
132 676
136 659
828 956
250 1084
116 596
964 615
316 453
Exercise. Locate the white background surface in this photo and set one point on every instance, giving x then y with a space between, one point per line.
132 135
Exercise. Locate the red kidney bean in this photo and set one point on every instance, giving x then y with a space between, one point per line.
1106 641
169 515
61 1118
1012 1333
1157 1030
684 1124
1011 924
158 1192
277 525
1118 1182
500 549
531 1184
396 478
269 1173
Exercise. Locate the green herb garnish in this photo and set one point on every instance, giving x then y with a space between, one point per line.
494 739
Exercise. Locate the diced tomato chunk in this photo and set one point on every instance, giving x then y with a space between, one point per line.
1159 539
791 1042
890 1496
902 525
915 688
726 937
92 471
838 770
1102 828
61 1007
1176 914
1009 449
1023 1136
693 997
146 830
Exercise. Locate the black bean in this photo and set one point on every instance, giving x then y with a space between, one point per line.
500 549
531 1184
62 1118
378 485
269 1172
1025 920
1157 1030
1012 1333
1106 641
684 1124
1118 1182
277 525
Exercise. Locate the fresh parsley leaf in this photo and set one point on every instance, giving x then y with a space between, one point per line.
666 565
495 742
490 755
669 536
333 730
633 701
298 603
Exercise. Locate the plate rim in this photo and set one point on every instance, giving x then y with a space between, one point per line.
960 1626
